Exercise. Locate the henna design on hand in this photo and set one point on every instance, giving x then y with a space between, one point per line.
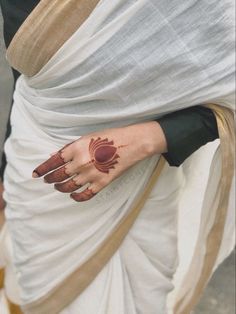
52 163
85 195
58 175
103 154
68 186
56 160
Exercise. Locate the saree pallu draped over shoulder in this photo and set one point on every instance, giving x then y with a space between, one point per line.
109 64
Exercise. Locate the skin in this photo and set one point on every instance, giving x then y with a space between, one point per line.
99 158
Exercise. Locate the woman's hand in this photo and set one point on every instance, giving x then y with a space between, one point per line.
98 158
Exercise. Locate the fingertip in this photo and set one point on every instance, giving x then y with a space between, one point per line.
72 195
83 196
76 197
58 187
35 174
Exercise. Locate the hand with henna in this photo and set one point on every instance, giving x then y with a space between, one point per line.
98 158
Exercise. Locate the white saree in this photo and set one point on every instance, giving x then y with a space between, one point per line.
130 61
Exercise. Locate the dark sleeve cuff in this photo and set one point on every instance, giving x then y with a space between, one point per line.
186 131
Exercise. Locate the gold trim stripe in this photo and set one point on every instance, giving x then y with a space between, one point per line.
44 31
1 278
226 130
14 308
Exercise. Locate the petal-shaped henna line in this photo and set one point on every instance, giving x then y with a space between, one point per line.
105 167
85 195
103 154
98 142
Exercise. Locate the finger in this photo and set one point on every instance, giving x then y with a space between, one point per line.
63 173
85 195
55 161
58 175
68 186
52 163
75 183
89 192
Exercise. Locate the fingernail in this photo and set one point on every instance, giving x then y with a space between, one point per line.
72 196
56 187
35 174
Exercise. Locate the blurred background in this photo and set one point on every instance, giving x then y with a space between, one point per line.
219 297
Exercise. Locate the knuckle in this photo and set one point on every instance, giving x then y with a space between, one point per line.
67 170
77 180
75 146
103 181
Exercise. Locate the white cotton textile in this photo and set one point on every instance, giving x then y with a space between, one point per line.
130 61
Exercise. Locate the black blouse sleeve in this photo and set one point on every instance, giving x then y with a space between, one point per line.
186 131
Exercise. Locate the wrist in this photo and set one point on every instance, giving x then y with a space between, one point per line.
150 138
